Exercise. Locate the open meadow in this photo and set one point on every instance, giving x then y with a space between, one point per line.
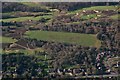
65 37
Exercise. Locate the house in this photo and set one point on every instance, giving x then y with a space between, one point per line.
96 11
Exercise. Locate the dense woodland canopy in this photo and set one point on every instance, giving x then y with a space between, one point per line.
8 7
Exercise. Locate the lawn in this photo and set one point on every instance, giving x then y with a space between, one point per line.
65 37
7 40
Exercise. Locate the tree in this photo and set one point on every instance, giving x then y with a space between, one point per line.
101 36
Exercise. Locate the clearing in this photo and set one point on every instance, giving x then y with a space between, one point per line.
65 37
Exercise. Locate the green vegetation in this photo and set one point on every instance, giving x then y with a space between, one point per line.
74 38
27 51
8 13
23 13
73 22
30 4
7 40
42 49
117 16
101 8
71 66
1 51
88 16
34 4
20 19
95 8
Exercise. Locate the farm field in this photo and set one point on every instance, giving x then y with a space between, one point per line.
65 37
17 14
34 5
20 19
100 8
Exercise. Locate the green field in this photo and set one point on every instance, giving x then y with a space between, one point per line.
65 37
20 19
95 8
34 4
6 40
23 13
88 16
115 16
101 8
30 4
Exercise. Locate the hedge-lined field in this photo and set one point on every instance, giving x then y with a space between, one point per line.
65 37
20 19
95 8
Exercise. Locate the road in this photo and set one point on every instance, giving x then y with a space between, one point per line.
99 76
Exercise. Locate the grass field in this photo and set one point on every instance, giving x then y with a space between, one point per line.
34 4
115 16
95 8
6 40
88 17
65 37
31 4
20 19
101 8
23 13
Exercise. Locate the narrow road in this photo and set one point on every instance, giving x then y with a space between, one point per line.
99 76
